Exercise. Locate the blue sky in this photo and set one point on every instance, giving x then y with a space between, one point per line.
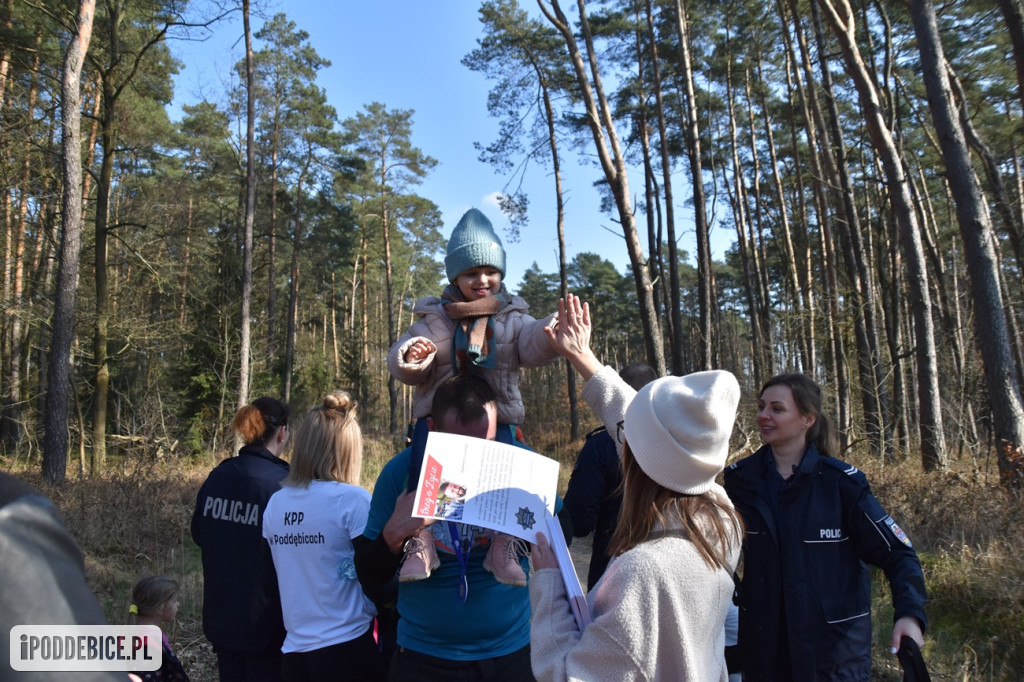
407 54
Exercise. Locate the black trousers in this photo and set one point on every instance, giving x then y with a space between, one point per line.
356 660
234 666
412 666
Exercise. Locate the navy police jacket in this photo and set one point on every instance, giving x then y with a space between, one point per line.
241 602
806 581
593 499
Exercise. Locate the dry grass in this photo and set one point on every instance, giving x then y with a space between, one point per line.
969 532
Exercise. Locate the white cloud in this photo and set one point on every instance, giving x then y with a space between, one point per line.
491 201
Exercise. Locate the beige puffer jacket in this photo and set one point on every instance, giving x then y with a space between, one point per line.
521 342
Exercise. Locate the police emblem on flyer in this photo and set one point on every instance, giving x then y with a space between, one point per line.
525 518
897 531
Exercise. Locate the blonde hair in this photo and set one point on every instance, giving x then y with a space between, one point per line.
150 594
713 526
329 444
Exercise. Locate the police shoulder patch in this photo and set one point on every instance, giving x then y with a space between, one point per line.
897 531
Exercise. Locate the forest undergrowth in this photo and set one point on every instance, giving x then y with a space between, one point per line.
968 530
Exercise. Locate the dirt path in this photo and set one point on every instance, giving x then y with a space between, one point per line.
580 551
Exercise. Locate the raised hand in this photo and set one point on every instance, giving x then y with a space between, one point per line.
570 333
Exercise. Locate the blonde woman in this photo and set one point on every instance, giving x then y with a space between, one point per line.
309 525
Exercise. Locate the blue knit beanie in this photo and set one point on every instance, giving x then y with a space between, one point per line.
473 243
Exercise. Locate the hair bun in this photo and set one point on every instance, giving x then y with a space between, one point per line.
339 401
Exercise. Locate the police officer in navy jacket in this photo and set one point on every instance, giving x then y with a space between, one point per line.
241 603
812 528
593 498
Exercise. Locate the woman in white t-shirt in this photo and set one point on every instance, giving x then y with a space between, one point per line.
310 524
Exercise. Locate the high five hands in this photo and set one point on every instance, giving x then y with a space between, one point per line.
569 335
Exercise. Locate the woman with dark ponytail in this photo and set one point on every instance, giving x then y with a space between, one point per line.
241 603
812 528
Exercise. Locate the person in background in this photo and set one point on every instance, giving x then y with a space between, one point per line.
241 603
155 601
459 623
475 327
813 527
593 497
310 523
659 610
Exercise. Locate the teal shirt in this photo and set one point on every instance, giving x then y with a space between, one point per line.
495 618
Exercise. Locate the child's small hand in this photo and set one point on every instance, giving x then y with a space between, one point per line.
542 555
419 350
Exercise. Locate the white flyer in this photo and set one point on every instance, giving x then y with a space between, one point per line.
486 483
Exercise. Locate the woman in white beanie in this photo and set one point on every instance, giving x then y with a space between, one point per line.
659 610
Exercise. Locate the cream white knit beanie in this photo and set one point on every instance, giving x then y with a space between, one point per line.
678 428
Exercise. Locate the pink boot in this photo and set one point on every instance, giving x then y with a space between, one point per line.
503 559
420 557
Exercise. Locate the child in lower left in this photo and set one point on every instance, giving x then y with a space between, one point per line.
155 601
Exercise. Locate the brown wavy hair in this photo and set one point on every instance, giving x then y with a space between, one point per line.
646 504
329 444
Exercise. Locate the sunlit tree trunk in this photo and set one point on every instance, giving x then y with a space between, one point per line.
705 273
933 444
861 294
613 164
674 303
55 440
11 427
245 340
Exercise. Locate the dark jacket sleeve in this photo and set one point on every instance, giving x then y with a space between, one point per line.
881 542
375 566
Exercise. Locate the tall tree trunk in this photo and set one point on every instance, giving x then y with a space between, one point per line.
563 265
992 172
186 261
389 307
94 128
5 49
739 203
293 293
11 427
818 155
272 248
613 164
245 338
55 439
976 230
861 295
1013 13
801 295
100 337
933 443
675 305
705 269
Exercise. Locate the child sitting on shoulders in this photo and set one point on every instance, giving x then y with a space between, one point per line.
475 326
155 601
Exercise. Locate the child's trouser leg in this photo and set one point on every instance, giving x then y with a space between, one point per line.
420 557
503 559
